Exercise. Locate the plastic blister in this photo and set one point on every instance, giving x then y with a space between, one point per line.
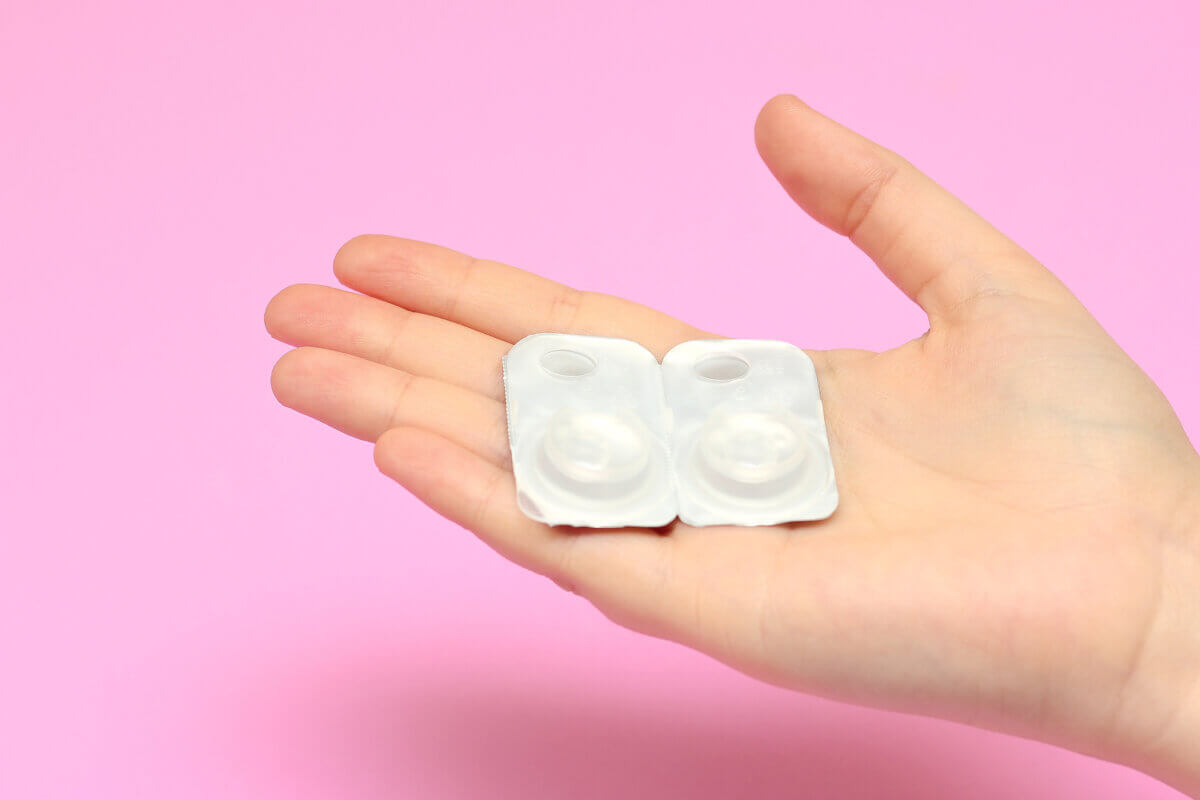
587 429
748 439
724 432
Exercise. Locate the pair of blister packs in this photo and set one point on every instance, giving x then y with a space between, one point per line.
723 432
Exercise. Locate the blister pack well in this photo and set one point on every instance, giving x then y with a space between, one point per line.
723 432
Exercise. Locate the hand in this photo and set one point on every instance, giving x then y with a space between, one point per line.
1018 541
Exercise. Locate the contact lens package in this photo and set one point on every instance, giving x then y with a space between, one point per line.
723 432
748 440
588 431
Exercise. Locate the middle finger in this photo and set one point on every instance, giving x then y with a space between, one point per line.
334 319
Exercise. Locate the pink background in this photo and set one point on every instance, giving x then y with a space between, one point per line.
205 595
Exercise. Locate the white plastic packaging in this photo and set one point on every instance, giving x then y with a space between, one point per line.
587 428
724 432
748 442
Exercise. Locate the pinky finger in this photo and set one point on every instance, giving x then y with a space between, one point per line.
609 567
467 489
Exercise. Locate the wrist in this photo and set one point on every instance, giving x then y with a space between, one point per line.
1163 690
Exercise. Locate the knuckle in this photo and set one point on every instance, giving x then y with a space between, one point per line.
400 404
499 438
565 307
861 207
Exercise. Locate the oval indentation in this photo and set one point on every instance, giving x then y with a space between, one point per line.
567 363
590 447
757 457
722 368
752 447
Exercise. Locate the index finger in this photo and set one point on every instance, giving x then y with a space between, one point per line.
494 298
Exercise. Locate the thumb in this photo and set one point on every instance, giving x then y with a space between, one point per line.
937 250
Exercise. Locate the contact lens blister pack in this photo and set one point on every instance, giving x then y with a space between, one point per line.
748 440
723 432
588 432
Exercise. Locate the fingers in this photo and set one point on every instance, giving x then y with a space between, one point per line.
320 316
365 399
611 567
938 251
467 489
501 301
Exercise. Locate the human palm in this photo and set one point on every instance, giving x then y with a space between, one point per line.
1012 487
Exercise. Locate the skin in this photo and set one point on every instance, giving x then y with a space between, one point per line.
1018 541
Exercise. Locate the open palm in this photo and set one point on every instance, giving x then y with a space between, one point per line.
1012 485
